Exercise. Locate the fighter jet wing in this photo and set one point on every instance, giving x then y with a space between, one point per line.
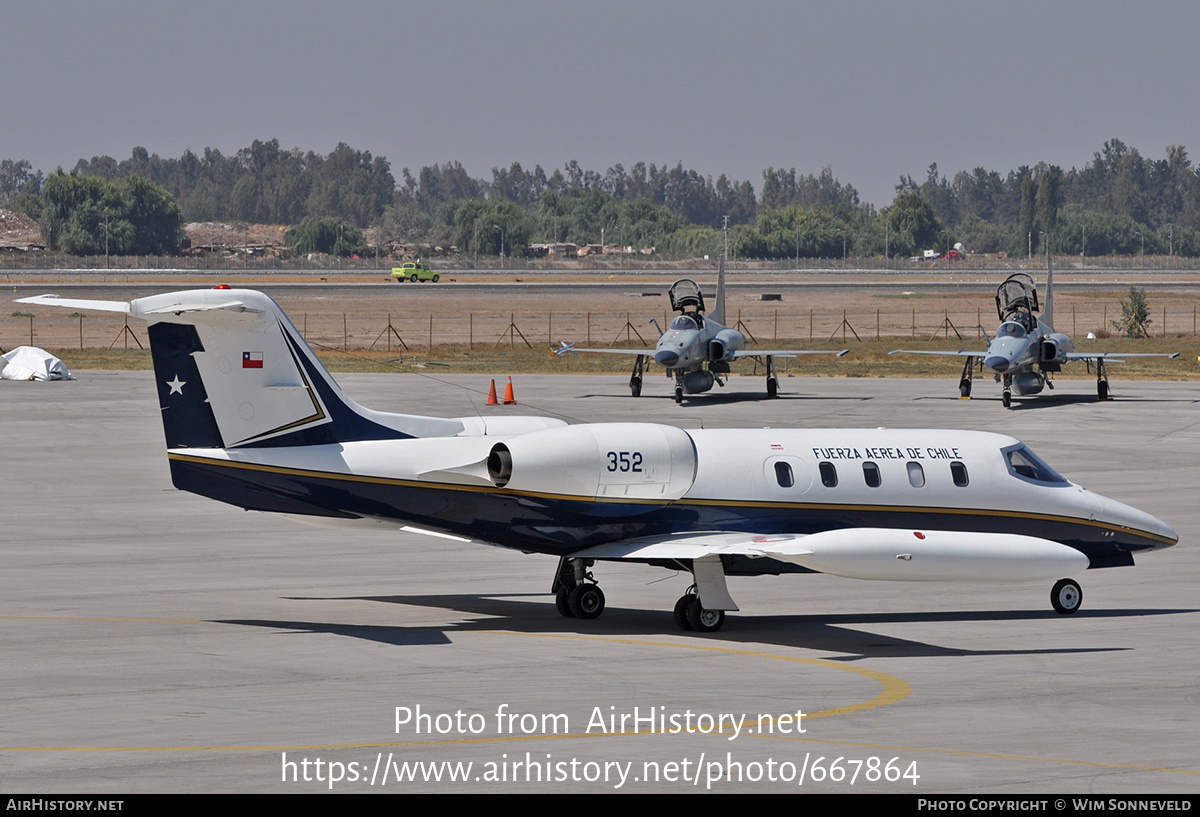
959 353
787 352
566 349
1116 357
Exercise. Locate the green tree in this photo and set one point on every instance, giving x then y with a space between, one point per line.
1135 315
328 234
86 215
911 224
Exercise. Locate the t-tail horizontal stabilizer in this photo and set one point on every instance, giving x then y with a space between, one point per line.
232 371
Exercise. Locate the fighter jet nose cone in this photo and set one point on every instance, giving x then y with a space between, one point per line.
666 358
996 363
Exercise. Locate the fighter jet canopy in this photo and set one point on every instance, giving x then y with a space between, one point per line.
685 295
1016 299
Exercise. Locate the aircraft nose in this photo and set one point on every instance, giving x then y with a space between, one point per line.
997 363
665 357
1127 516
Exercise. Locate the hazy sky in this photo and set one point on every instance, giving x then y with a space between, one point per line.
874 89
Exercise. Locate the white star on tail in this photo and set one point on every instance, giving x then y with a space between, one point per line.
176 385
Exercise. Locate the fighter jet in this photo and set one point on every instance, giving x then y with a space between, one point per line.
253 419
697 348
1026 350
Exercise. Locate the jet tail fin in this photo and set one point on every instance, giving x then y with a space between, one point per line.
718 312
232 371
1047 318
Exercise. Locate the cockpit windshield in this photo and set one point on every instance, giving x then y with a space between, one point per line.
1027 465
684 322
1011 329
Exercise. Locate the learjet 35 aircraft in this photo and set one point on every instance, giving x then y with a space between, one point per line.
252 418
1026 349
696 349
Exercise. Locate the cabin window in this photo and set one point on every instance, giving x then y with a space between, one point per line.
828 475
958 470
871 474
783 475
916 475
1025 464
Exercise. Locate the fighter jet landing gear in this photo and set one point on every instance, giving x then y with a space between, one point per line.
1101 380
1067 596
1007 398
635 381
692 616
772 378
964 382
576 594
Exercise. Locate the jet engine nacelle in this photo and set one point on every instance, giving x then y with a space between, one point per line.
1055 348
698 382
1028 383
724 344
603 460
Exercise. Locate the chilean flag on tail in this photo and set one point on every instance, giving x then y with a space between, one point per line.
252 360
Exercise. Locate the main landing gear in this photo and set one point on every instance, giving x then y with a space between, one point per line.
576 594
964 382
691 615
1101 380
772 378
635 380
1066 597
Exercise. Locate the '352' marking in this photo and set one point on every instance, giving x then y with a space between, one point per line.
625 461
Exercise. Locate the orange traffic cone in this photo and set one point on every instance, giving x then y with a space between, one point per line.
508 393
492 401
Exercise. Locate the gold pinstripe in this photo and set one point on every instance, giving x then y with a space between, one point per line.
724 503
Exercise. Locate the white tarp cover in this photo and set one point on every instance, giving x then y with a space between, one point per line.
32 363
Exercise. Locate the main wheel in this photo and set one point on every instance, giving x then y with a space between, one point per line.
772 387
704 620
1102 389
681 612
964 388
587 601
562 602
1067 596
679 394
635 386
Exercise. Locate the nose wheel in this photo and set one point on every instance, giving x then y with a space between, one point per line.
1066 597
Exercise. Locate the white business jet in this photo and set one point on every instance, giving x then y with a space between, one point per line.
252 418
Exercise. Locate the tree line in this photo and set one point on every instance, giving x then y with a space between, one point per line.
1119 203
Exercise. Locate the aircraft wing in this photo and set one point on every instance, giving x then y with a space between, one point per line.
899 554
139 308
959 353
787 353
76 303
1117 357
567 349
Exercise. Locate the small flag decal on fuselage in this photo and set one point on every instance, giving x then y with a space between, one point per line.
252 360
